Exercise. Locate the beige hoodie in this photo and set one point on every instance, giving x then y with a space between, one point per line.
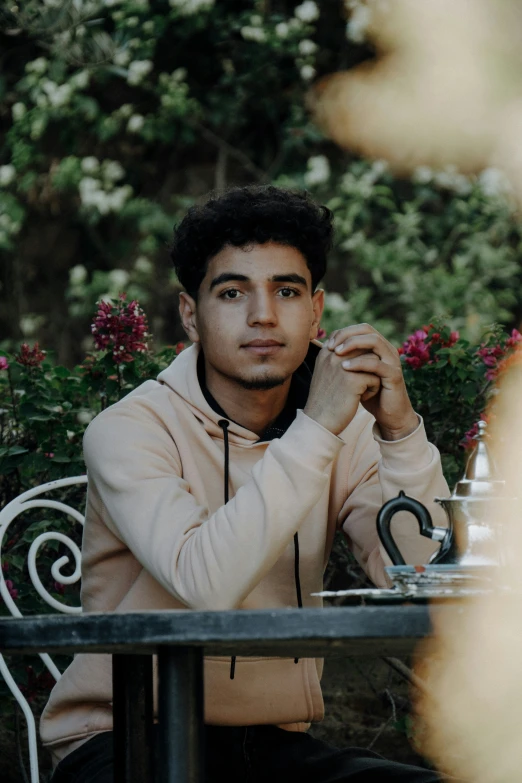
159 536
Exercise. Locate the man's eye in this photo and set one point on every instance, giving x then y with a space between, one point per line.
288 293
230 293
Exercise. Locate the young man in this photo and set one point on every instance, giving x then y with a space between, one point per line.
257 442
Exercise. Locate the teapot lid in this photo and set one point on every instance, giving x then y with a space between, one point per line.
479 480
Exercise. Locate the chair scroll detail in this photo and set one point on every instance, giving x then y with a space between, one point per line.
30 500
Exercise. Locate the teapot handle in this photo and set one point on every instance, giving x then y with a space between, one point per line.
404 503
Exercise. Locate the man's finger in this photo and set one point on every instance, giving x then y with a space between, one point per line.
368 363
370 343
340 335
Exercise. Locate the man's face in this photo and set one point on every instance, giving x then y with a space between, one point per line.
255 314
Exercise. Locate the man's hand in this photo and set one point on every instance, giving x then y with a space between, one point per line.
390 405
335 394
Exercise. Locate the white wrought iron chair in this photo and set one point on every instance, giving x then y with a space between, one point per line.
25 501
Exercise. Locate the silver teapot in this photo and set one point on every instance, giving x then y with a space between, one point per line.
475 511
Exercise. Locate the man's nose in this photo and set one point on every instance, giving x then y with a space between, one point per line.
262 309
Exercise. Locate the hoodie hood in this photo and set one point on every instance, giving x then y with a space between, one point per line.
181 376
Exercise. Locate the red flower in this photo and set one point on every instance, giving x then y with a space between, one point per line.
468 442
120 328
495 356
30 357
3 363
13 592
514 339
321 334
415 351
179 347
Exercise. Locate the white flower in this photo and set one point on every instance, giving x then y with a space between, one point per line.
112 170
256 20
7 174
38 66
135 123
18 110
138 70
84 417
122 57
190 7
119 278
379 167
422 175
179 75
77 275
451 179
307 11
307 72
359 23
335 302
132 21
318 170
493 182
306 47
29 324
58 95
90 164
282 29
142 264
253 34
80 79
125 110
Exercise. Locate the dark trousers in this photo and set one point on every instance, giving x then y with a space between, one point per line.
256 754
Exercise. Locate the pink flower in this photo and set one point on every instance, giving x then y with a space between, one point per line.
59 587
416 352
30 357
49 454
13 592
321 334
511 342
3 363
468 441
120 328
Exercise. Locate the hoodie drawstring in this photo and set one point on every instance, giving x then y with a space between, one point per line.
224 424
297 577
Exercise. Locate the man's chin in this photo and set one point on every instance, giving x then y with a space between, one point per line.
262 383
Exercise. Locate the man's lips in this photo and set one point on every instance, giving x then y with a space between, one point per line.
263 347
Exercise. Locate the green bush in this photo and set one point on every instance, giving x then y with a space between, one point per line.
118 115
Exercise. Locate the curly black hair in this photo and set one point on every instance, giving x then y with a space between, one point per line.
249 215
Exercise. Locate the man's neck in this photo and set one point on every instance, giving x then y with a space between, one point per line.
253 409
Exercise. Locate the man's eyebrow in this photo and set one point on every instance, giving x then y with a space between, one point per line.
290 278
227 277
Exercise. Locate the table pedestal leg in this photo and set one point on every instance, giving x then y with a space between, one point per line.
133 719
180 715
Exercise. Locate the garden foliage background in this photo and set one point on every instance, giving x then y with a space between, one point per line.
116 116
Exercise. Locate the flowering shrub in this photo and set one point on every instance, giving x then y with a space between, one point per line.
450 382
172 98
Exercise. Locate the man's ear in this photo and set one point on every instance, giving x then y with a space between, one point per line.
187 312
318 307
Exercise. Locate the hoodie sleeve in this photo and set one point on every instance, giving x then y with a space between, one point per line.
378 470
207 561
